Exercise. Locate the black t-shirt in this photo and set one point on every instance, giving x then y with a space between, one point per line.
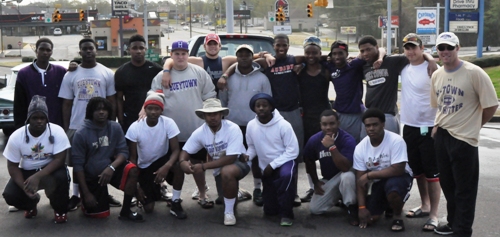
284 83
135 82
382 83
314 93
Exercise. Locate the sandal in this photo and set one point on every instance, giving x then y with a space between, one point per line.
430 223
399 224
206 203
416 213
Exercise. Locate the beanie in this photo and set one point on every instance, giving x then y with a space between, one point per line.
261 96
37 104
155 98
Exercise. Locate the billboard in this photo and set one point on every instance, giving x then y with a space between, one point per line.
426 21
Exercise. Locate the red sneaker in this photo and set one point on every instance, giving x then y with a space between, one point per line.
60 218
31 213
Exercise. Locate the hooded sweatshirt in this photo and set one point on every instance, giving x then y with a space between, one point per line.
241 88
94 147
274 143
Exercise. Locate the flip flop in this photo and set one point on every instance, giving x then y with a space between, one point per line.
416 213
398 223
430 222
206 203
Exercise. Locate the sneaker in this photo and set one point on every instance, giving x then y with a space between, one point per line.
176 210
131 216
165 193
229 219
13 209
296 201
196 193
31 213
257 197
74 202
308 196
286 221
444 230
60 218
113 202
243 195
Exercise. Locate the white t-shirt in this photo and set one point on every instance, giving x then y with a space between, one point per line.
38 152
416 85
228 139
152 142
84 84
391 151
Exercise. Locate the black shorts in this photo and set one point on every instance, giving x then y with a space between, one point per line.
377 202
421 153
244 170
200 156
147 177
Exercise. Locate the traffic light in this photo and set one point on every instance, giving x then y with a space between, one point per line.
56 17
82 15
309 10
280 15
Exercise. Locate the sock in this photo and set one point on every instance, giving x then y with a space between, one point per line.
229 202
176 194
127 199
311 184
257 183
76 191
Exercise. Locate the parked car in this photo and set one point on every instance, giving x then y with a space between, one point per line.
211 28
57 32
170 29
427 50
185 27
7 97
249 25
183 23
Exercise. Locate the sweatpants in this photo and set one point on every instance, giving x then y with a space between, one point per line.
458 164
56 186
279 190
342 185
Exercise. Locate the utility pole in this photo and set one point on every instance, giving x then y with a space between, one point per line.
145 14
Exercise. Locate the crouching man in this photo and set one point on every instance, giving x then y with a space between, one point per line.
334 148
223 142
99 156
35 157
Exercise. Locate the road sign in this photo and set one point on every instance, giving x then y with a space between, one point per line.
382 21
464 4
348 30
270 16
152 56
428 39
287 30
426 21
463 26
163 15
120 7
242 14
283 4
463 16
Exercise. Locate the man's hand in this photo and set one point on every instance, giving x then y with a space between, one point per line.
89 200
434 130
166 80
140 195
328 140
161 173
297 68
197 168
105 176
318 188
377 64
142 114
363 180
186 167
222 84
31 185
270 60
72 66
364 217
268 171
244 158
431 67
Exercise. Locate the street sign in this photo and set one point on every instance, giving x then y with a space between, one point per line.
151 56
348 30
270 16
393 35
464 4
242 15
382 21
426 21
163 15
463 16
463 26
428 39
120 7
287 30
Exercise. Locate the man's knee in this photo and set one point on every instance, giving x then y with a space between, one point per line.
348 178
315 209
229 172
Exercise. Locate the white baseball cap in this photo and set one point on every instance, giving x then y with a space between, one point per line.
447 38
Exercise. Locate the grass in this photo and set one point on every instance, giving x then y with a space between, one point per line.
494 73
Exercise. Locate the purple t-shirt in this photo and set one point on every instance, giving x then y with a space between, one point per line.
315 150
348 84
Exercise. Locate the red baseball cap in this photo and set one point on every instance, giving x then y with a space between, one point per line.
212 37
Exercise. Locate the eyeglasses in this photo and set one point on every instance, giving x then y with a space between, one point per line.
312 40
443 47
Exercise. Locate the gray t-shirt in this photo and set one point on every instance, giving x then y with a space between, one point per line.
190 87
82 85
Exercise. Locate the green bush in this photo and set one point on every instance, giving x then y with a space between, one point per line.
486 61
112 61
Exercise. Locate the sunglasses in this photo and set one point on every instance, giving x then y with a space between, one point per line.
443 47
312 40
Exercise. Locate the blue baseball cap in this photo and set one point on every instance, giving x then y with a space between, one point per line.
180 45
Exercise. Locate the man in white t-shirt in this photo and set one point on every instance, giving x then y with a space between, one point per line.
91 79
223 141
384 177
154 148
418 118
35 157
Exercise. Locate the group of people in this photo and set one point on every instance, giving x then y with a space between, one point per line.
254 112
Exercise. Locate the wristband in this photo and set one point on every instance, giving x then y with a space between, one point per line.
111 167
332 148
362 207
224 76
166 70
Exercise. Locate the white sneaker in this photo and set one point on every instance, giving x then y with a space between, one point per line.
229 219
13 209
196 193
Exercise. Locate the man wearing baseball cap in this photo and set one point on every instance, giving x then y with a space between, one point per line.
190 86
465 100
418 118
